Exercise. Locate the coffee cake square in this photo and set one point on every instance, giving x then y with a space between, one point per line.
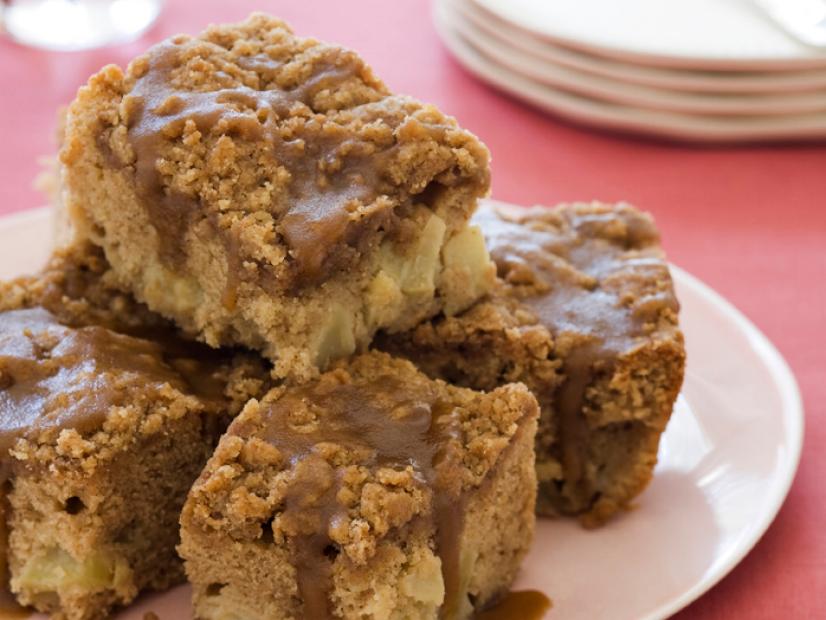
584 313
268 190
372 492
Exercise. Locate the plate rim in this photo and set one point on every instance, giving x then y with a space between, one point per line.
664 60
23 217
613 117
793 415
622 92
672 78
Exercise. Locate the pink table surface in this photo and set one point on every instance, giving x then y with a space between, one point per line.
750 221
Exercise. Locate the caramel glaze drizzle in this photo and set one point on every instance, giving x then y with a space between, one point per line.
568 269
518 605
57 377
314 216
422 433
331 173
417 435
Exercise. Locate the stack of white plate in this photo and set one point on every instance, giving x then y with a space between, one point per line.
701 70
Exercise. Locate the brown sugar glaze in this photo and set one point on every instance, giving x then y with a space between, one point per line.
420 432
338 182
315 217
576 271
56 377
9 608
518 605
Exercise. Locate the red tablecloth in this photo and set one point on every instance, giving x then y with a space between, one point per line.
749 221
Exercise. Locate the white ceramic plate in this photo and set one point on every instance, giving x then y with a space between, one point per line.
726 463
615 89
684 80
619 117
701 34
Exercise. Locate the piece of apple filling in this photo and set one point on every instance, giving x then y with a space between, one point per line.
458 269
57 571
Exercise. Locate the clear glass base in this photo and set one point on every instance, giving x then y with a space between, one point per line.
77 24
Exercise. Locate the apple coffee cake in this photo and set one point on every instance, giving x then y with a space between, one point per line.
371 492
584 313
268 190
106 419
